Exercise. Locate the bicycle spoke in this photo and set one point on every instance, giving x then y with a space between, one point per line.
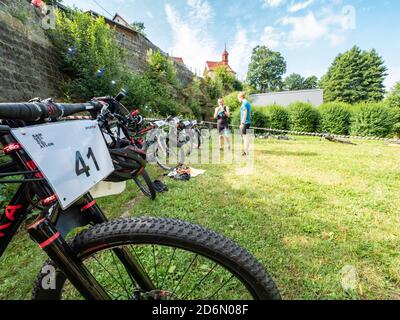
109 273
201 281
141 264
187 270
223 285
120 275
155 265
167 271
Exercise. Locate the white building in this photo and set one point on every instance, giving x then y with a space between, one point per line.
285 98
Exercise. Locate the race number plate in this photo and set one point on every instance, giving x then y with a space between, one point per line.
72 156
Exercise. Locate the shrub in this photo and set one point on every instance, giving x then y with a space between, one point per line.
393 101
232 101
396 130
335 118
235 118
258 119
278 117
372 119
91 55
303 117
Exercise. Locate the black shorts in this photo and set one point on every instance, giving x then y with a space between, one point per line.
222 127
244 130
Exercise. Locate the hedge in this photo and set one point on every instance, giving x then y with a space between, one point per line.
303 117
278 117
335 118
365 119
258 118
372 119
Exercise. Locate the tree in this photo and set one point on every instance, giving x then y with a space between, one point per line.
310 83
226 80
355 76
266 69
296 82
139 27
91 57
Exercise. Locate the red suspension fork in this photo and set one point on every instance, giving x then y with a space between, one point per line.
132 266
50 240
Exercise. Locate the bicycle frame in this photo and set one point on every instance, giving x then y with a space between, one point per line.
50 230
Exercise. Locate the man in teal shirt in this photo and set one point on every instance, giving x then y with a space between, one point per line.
245 121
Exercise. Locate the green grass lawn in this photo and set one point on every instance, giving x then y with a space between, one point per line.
309 209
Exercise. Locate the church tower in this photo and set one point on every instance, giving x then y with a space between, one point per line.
225 57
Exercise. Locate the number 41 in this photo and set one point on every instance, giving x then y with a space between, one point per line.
81 167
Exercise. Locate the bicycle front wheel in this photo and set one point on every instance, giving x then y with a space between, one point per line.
183 261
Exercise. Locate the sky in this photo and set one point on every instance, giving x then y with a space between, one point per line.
308 33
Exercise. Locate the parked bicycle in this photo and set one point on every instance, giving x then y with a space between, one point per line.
171 140
131 259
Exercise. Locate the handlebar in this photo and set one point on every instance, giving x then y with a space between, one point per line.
43 110
38 111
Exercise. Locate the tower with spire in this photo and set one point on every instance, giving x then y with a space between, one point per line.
225 57
211 66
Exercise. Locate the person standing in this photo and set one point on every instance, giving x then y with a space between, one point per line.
222 115
245 121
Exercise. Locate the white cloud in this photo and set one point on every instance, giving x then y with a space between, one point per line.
326 24
272 37
294 7
191 39
273 3
305 29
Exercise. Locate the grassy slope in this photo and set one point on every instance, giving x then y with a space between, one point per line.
310 208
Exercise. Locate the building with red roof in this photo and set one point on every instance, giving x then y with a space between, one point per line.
212 65
178 60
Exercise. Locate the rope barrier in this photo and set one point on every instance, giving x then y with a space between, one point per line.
289 132
316 134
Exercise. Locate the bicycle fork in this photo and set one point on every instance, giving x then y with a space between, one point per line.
49 238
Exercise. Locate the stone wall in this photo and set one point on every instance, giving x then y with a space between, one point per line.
137 46
28 64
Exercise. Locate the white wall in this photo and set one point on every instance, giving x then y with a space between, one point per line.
315 97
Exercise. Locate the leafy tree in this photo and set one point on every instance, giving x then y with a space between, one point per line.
266 69
296 82
91 56
231 100
223 82
162 69
310 83
139 27
355 76
162 75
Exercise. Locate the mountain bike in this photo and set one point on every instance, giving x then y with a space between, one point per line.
160 140
129 259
